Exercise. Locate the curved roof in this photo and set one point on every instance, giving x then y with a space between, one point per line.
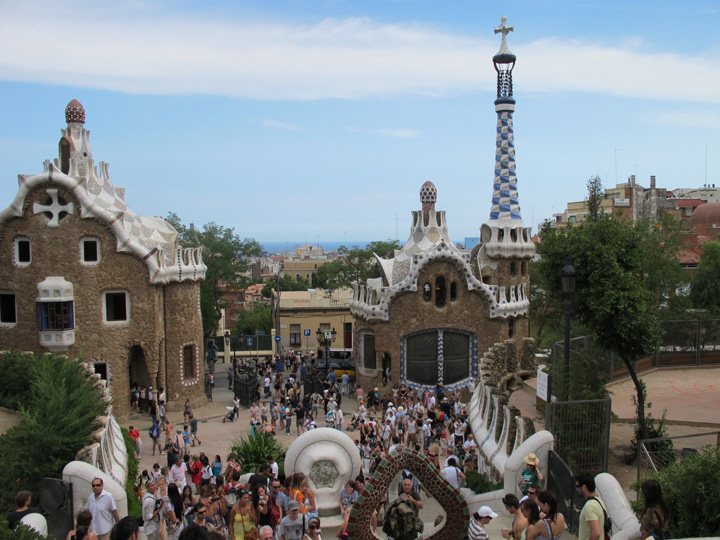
708 213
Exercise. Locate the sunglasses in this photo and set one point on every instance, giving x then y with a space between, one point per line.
201 513
313 527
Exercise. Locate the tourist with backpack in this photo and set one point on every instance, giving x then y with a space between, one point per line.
154 433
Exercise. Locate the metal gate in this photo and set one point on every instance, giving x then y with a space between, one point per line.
247 388
582 433
561 481
56 504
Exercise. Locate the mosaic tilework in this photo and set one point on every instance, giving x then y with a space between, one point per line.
454 504
505 203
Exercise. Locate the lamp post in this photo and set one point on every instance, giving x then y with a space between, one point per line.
231 343
568 276
325 338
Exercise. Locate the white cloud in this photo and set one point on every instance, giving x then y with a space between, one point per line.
140 48
280 125
401 133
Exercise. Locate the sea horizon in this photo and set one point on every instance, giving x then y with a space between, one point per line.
329 246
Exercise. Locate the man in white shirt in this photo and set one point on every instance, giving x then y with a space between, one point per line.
338 419
152 510
103 509
178 474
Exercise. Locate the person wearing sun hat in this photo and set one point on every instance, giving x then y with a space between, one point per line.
531 475
483 516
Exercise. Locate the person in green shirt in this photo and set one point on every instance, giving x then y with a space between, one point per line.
592 516
531 475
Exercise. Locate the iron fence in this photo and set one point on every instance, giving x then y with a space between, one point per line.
582 433
656 454
683 343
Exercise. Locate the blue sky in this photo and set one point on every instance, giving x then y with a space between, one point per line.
319 120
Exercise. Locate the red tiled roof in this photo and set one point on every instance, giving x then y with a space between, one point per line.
690 202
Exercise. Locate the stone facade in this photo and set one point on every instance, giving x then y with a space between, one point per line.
88 277
437 309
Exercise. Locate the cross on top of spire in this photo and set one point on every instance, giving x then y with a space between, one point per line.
504 30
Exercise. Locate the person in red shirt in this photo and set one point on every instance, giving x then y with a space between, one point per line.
196 473
135 434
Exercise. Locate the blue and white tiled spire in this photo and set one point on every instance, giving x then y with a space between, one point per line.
504 235
505 204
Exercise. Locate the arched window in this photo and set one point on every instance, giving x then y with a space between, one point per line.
427 292
439 291
512 269
453 291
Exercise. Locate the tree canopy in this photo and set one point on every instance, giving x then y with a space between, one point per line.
286 283
252 320
596 194
356 264
227 257
705 291
625 273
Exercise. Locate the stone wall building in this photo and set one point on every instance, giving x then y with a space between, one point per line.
84 275
437 310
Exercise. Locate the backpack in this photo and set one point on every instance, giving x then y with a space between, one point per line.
401 523
155 431
607 522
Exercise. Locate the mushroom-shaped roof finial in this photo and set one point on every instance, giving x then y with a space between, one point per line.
428 197
75 112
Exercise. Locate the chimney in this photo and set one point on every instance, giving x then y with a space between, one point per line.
632 180
652 182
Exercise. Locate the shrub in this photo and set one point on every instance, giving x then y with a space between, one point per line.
134 504
662 450
480 483
21 532
59 406
690 490
253 451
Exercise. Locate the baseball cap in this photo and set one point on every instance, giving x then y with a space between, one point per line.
486 511
293 505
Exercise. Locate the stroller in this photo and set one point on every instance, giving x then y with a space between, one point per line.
230 415
354 423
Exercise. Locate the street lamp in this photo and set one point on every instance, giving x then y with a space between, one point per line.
231 343
325 338
568 276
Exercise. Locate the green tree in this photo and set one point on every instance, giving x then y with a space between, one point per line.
705 292
355 264
285 283
618 288
227 257
252 320
595 196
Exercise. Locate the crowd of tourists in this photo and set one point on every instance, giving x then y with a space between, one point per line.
198 496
